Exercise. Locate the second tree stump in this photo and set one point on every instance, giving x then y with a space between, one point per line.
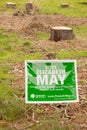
29 7
61 33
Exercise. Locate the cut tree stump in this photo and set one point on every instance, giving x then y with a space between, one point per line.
10 5
64 5
29 7
61 33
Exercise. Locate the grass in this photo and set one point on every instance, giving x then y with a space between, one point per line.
10 107
53 7
51 123
42 35
35 56
11 51
70 54
10 44
77 7
80 31
20 4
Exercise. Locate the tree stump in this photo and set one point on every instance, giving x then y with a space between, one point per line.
64 5
61 33
29 7
10 5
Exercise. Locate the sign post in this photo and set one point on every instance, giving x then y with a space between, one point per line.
51 81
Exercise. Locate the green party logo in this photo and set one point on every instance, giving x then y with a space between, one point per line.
51 81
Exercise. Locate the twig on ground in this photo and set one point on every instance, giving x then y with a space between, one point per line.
66 111
15 126
33 116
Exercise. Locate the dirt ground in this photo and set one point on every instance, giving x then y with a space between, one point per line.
73 114
39 22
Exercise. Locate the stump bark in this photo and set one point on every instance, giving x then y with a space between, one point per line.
64 5
61 33
29 7
10 5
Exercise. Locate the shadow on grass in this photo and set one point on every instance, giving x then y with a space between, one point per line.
83 3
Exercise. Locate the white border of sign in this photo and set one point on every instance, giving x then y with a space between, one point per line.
47 102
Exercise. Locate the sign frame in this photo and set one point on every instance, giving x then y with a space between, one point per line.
48 102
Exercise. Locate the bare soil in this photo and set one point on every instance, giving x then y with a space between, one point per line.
23 24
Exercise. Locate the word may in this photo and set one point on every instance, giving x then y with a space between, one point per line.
45 80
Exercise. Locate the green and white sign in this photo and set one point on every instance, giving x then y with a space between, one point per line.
51 81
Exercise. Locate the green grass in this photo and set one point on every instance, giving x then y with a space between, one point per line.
77 7
70 54
80 31
35 56
11 45
12 50
20 4
42 35
10 107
